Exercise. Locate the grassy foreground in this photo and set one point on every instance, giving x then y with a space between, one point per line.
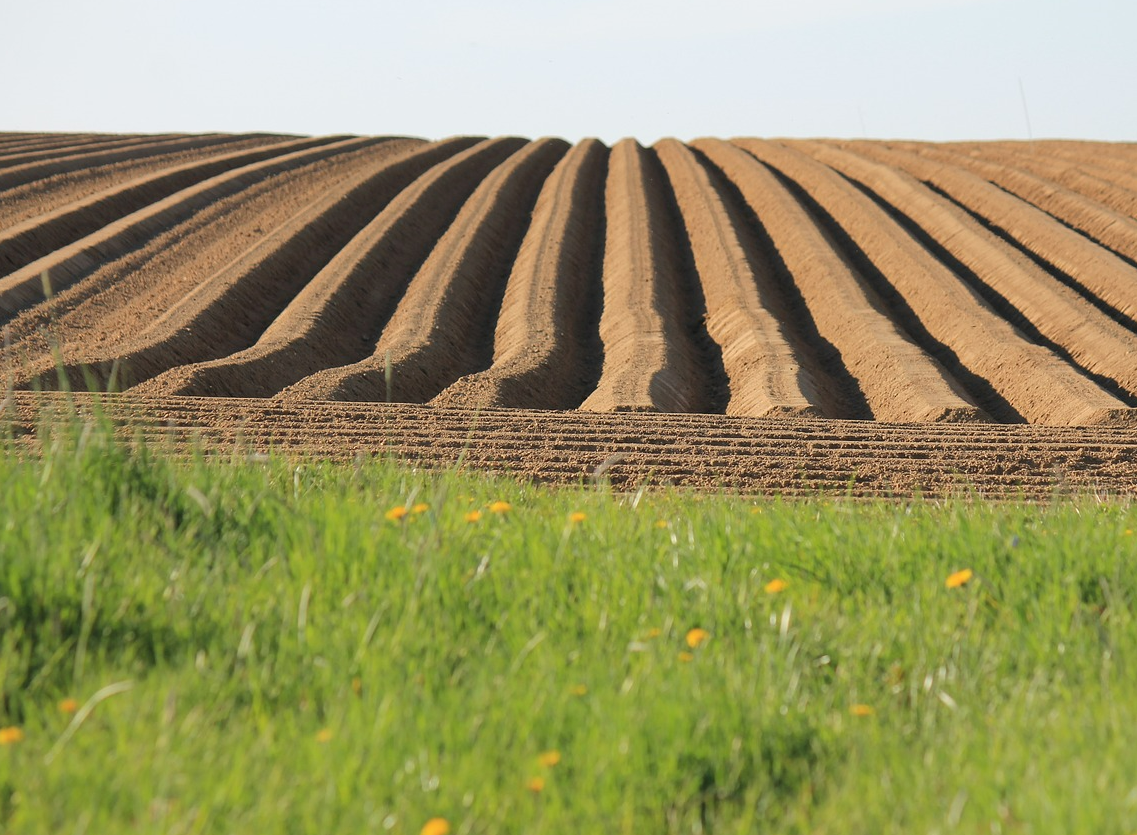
263 647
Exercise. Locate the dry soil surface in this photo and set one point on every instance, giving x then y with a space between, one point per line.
771 315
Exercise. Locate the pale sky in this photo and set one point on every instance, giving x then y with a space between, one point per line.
919 69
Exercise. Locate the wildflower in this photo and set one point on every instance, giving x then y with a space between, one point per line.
396 513
10 736
577 517
473 516
697 637
578 689
686 657
862 710
662 523
775 586
535 784
500 507
421 507
68 705
549 758
436 826
324 735
654 632
959 578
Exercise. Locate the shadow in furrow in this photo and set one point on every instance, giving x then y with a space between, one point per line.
1052 270
840 393
982 392
998 302
715 384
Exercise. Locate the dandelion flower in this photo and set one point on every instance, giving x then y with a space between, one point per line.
577 517
396 513
500 507
862 710
436 826
549 758
686 657
421 507
10 736
473 516
662 523
578 689
775 586
324 735
959 578
697 637
68 705
654 632
535 784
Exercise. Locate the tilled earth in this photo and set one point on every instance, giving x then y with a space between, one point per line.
776 316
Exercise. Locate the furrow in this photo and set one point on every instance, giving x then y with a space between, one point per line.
958 326
442 327
11 160
42 197
337 317
38 236
10 144
898 380
546 342
1098 186
1072 326
763 370
1094 219
650 360
119 300
233 306
21 174
1098 270
67 265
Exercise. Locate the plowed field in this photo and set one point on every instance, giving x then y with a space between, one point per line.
813 315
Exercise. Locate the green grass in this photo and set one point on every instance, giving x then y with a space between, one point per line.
255 647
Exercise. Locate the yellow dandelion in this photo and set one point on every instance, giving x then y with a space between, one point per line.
436 826
577 517
357 685
662 523
68 705
776 585
421 507
697 637
473 516
654 632
10 736
396 513
324 735
578 689
959 578
500 507
1128 532
535 784
862 710
686 657
549 758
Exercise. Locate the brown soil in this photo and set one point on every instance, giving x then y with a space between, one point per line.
829 307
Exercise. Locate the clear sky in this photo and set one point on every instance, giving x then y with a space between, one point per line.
921 69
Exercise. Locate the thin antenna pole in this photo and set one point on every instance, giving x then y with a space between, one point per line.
1026 113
